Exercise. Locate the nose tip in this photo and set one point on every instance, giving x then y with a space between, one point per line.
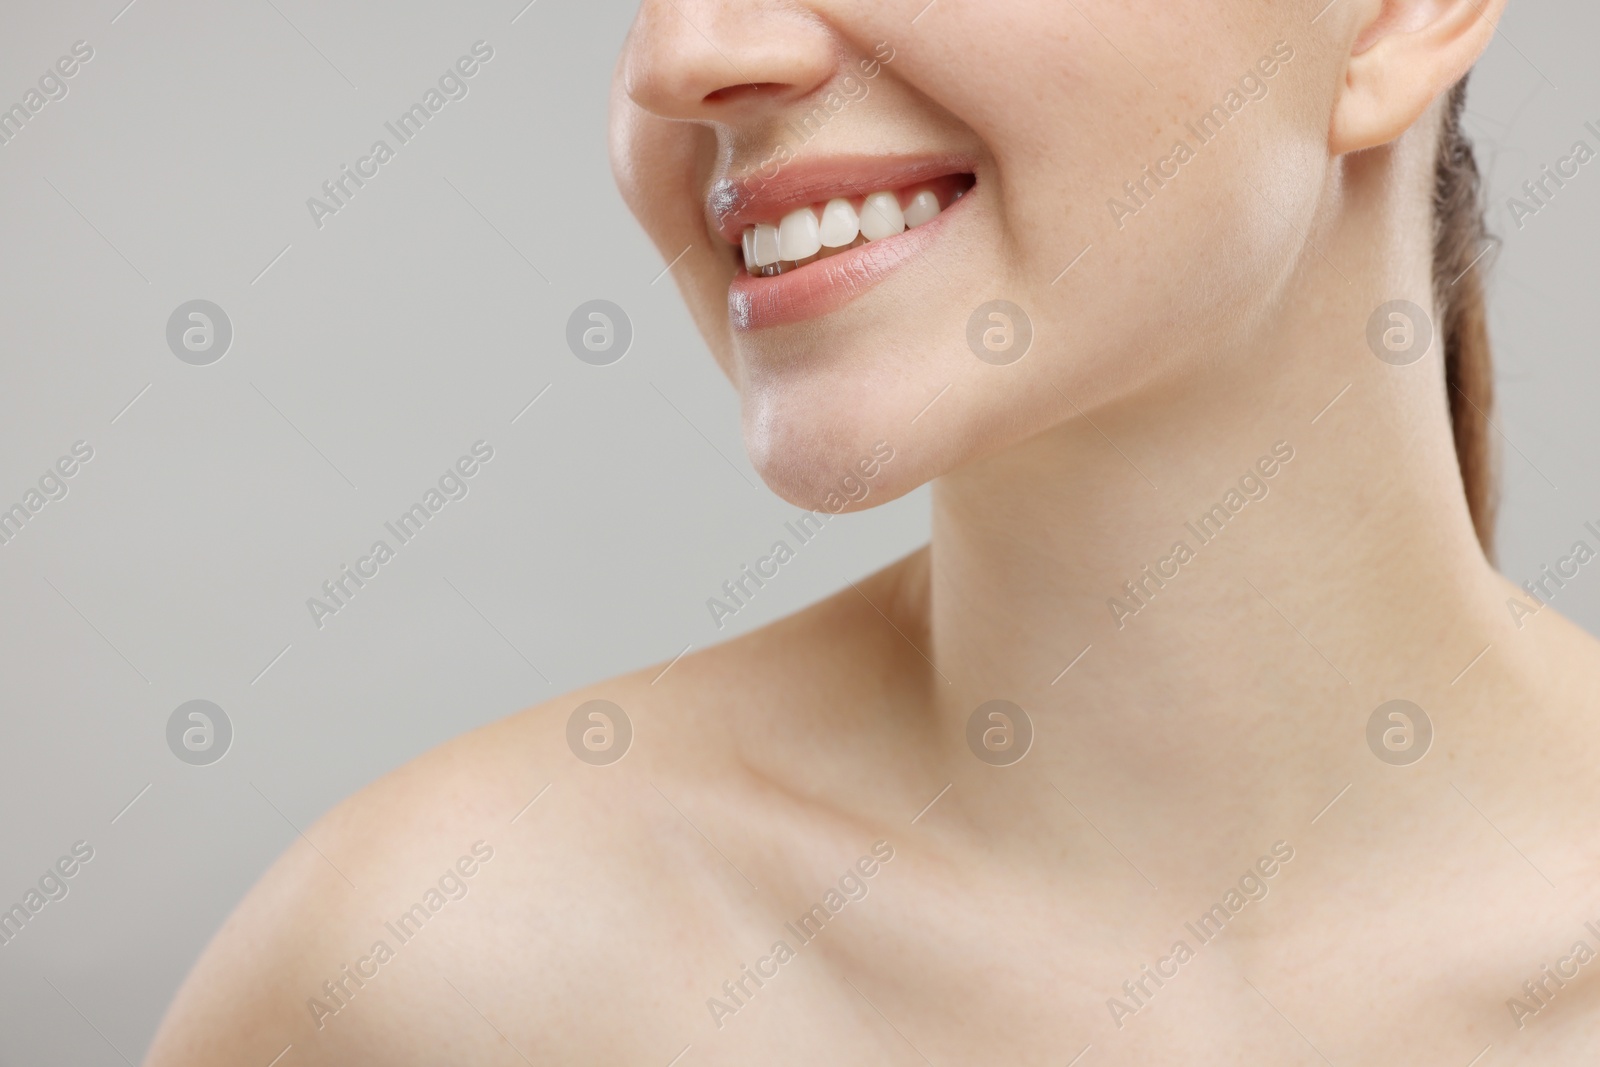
721 60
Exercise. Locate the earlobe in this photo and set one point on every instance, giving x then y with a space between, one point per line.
1405 55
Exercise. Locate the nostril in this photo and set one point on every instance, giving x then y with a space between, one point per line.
733 93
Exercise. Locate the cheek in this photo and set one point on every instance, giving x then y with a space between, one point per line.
1179 260
660 168
1094 116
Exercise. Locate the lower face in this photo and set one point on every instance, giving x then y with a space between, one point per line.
861 234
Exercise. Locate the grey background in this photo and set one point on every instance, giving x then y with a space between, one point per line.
370 356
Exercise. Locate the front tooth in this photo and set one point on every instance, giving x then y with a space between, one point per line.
881 217
840 223
765 243
924 207
798 235
749 243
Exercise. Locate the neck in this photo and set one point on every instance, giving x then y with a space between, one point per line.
1165 528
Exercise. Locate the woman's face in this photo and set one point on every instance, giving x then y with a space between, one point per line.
1131 179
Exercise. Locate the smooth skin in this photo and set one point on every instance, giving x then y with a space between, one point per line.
1228 715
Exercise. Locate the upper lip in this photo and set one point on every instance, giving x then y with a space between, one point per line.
734 202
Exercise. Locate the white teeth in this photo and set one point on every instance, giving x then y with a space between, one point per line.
765 243
840 224
798 235
801 236
924 207
881 217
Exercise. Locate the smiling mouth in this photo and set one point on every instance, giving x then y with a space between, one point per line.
827 228
822 232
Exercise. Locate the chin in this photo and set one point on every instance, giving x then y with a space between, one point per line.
824 456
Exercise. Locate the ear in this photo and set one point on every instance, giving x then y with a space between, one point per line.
1404 54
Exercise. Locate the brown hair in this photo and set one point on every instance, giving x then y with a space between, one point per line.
1460 236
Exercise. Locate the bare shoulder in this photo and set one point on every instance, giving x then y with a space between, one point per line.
478 895
1535 719
339 941
1560 664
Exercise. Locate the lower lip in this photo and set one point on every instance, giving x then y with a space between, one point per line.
828 284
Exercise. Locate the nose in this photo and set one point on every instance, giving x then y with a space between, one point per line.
725 60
